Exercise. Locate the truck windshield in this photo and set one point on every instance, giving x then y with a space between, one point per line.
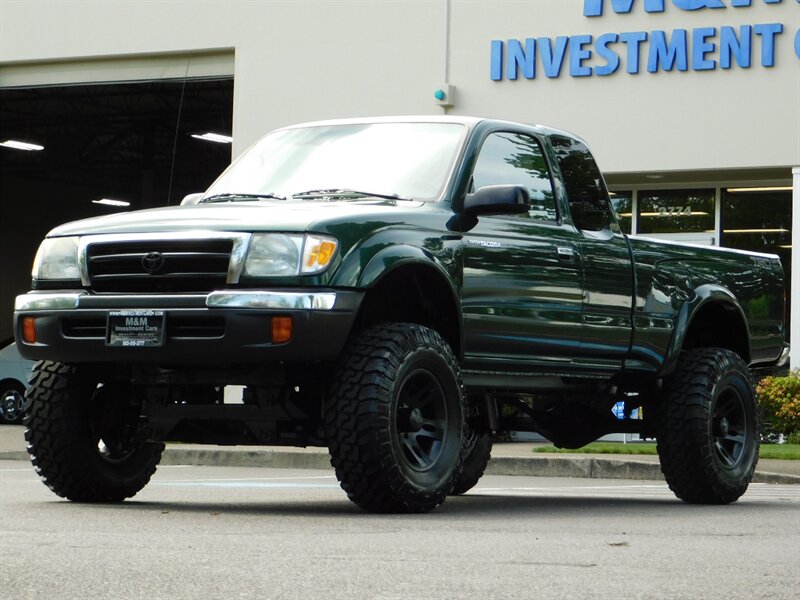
402 160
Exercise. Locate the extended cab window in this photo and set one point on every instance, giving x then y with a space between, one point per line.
588 198
515 159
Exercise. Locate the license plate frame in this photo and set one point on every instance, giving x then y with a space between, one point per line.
135 328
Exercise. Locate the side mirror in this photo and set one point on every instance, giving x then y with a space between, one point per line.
190 199
498 200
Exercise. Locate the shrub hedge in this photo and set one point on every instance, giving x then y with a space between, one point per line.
779 398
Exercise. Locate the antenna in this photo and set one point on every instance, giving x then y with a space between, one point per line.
177 130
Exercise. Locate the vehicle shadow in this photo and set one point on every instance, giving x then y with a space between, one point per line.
472 506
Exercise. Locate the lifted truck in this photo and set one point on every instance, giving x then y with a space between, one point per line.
398 290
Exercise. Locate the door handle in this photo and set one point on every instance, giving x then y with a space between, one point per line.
565 253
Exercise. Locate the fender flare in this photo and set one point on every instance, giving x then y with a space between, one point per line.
391 258
703 296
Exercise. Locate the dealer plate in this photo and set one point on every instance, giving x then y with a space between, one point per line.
135 328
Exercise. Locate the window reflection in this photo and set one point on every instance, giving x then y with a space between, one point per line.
622 202
411 160
516 159
761 222
676 211
586 191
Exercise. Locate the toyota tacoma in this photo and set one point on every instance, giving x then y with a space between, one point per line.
399 291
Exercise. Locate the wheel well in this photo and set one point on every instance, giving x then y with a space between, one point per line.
719 325
415 294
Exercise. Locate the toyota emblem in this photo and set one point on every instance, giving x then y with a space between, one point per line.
152 262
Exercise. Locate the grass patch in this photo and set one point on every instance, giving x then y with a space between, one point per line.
779 451
605 448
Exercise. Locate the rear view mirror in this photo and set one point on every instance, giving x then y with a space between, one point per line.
498 200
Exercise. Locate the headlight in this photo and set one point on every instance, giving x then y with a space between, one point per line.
278 254
274 254
57 258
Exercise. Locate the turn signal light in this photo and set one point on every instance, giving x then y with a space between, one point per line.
29 330
320 253
281 330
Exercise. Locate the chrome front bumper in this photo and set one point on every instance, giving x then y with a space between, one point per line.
220 327
254 299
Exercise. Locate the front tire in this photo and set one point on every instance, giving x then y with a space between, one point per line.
82 436
394 419
708 427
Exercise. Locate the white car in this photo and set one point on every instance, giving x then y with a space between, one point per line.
14 372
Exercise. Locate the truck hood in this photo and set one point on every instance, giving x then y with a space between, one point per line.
265 215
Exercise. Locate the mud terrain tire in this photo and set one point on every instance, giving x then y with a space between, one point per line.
708 427
394 419
81 435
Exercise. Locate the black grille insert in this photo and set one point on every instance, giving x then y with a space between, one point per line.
178 326
159 265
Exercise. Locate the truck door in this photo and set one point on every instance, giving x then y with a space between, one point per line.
521 295
605 255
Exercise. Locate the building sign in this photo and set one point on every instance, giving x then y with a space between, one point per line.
699 49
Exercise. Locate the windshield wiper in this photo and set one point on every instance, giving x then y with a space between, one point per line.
345 192
242 197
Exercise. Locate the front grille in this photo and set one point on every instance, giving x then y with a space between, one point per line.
84 328
159 265
195 327
178 326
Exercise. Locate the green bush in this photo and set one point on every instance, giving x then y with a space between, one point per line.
779 397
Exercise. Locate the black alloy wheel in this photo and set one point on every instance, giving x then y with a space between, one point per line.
729 427
421 419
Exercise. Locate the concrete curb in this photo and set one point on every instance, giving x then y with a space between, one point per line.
599 468
279 458
534 466
17 455
561 466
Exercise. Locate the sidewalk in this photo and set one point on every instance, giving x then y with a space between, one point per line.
507 459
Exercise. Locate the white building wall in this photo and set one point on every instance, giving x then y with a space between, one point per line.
645 122
298 61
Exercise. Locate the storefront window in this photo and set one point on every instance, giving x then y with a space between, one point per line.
622 201
676 211
760 221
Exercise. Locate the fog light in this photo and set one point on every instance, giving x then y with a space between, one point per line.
29 330
281 330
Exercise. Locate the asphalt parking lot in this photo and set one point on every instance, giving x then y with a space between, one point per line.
226 532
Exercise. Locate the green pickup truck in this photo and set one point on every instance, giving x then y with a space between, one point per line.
400 291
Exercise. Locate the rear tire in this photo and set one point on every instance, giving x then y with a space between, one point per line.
708 427
82 435
394 419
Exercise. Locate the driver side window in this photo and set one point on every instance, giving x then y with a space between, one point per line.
514 159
